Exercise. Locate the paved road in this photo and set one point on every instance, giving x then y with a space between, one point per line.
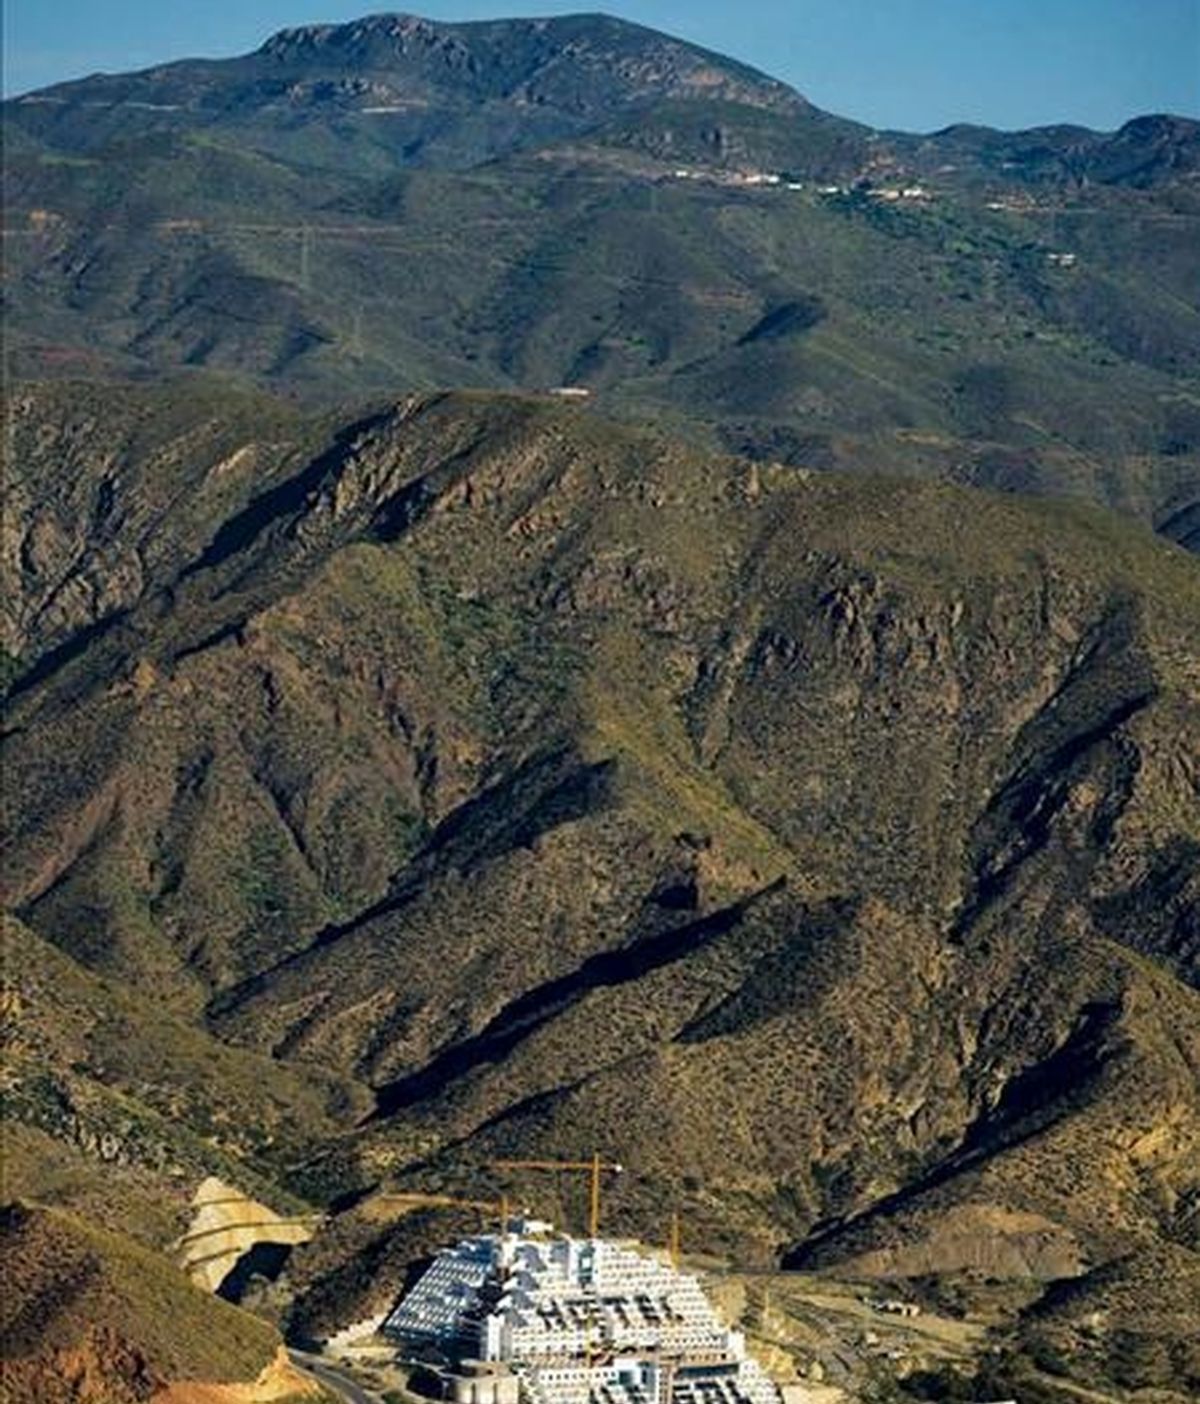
333 1379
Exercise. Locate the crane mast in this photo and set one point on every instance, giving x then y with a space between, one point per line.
594 1167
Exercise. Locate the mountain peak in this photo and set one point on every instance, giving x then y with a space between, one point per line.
428 93
371 29
612 59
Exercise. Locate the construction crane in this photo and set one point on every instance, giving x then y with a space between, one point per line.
594 1167
447 1201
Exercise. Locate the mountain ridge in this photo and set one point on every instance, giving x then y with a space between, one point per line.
365 41
753 276
578 66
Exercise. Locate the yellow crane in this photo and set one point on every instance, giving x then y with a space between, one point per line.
447 1201
594 1167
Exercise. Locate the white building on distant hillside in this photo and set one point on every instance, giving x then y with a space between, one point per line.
578 1321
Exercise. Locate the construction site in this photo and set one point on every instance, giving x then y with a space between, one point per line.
531 1315
515 1309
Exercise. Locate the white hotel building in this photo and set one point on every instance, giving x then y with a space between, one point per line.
575 1321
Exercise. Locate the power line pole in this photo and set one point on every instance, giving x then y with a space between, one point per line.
305 257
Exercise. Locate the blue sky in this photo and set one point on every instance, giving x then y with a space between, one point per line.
915 64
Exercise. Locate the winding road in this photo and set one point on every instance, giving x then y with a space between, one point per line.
334 1380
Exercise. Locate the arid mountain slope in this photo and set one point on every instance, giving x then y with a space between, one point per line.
154 1101
112 489
89 1317
825 846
